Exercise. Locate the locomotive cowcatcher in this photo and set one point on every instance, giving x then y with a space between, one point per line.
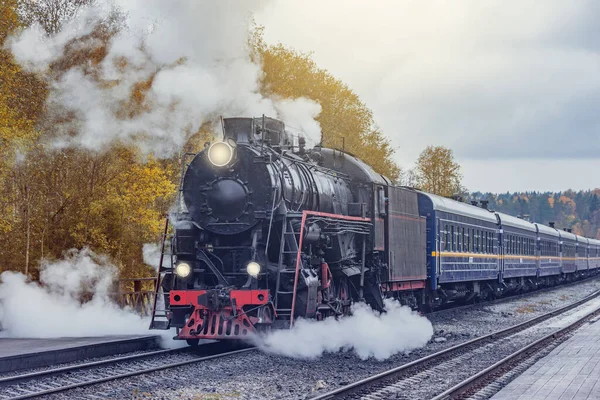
268 231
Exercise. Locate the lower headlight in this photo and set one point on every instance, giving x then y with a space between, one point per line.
253 269
183 269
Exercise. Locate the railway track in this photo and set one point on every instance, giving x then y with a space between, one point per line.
57 380
469 368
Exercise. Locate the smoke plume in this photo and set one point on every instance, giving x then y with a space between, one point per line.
367 333
174 66
72 299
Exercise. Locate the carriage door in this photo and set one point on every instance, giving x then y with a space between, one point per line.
379 212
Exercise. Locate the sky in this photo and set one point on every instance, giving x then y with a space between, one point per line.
512 87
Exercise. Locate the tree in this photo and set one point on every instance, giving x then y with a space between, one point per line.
290 74
437 172
50 14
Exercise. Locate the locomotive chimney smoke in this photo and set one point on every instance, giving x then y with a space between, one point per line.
366 332
169 70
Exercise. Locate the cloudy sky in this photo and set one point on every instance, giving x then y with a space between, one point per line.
513 87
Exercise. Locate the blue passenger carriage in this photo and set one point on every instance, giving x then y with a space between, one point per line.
594 253
568 252
518 247
462 245
548 252
582 253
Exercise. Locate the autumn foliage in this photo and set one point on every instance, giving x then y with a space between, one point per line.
579 211
114 200
437 172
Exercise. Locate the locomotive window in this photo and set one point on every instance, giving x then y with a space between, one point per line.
467 241
462 239
453 239
458 239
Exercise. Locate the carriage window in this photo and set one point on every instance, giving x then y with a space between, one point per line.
458 239
453 239
468 241
486 245
446 237
462 239
472 240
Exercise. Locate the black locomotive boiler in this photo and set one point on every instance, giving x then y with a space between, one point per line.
269 231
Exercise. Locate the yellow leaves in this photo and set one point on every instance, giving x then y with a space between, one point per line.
437 172
9 20
551 201
290 74
568 203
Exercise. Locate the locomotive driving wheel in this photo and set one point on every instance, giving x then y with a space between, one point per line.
343 295
340 299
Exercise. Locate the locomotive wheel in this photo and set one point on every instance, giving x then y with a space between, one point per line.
193 342
342 293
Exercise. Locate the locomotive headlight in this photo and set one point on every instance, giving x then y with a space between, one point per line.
253 269
220 154
183 269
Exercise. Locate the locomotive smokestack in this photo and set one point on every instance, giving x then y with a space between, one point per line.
551 224
301 145
484 204
474 203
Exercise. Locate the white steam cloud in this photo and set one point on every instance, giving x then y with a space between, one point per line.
151 255
194 53
367 332
56 306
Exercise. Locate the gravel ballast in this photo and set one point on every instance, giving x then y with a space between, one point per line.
255 375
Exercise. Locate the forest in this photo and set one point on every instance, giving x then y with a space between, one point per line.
114 198
579 211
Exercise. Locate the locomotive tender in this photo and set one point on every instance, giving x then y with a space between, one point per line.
268 232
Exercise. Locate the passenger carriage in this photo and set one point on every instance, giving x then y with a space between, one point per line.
568 252
582 254
548 251
594 253
462 245
518 247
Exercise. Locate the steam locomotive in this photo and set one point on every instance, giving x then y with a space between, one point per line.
269 231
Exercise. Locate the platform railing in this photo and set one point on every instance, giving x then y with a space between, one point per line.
137 294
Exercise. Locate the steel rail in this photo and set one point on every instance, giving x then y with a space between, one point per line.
7 383
398 373
487 375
